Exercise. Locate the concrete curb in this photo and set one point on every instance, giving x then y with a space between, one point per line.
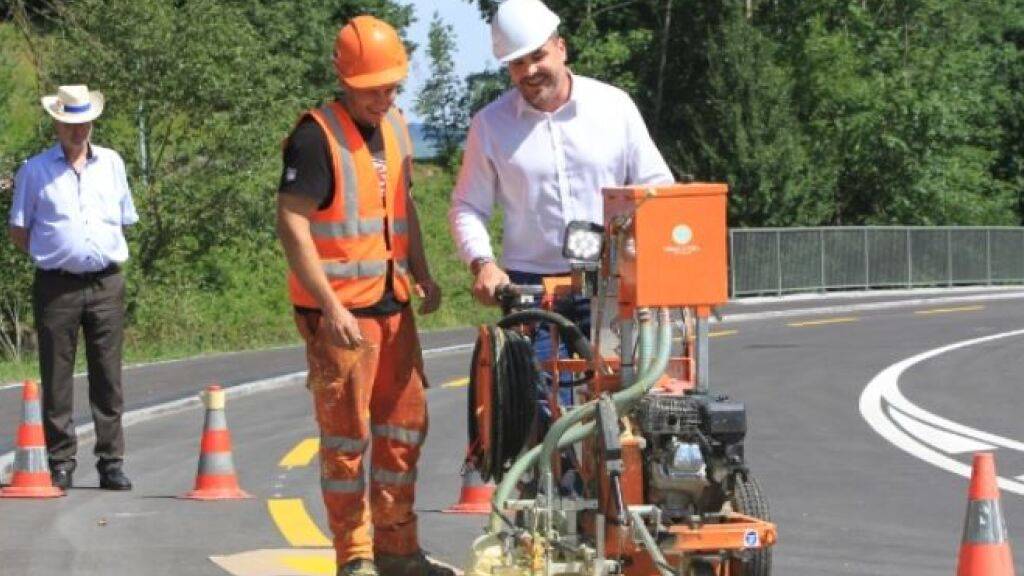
868 306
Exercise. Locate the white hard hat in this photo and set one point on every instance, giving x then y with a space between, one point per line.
520 27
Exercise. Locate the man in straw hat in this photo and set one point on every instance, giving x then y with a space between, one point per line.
70 205
349 229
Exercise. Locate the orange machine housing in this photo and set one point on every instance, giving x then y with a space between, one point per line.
672 248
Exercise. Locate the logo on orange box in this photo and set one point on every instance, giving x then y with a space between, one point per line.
682 241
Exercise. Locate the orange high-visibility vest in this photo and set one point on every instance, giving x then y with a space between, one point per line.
349 233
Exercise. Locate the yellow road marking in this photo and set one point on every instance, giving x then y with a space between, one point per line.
456 383
295 524
947 310
718 334
312 565
278 562
823 322
302 454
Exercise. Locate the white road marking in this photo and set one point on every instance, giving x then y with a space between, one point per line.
883 391
938 438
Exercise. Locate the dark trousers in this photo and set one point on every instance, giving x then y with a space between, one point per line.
63 303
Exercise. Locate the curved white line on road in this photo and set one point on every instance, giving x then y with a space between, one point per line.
884 390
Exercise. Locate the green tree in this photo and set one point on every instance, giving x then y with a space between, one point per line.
902 101
484 87
745 131
20 116
199 96
815 111
441 100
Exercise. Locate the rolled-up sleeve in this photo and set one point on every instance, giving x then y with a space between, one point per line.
646 164
473 198
23 204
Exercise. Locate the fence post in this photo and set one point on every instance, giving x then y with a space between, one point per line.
732 262
910 261
778 258
867 261
821 238
949 256
988 255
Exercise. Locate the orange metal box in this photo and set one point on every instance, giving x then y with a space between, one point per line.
678 252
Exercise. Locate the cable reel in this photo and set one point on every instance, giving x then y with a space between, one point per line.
505 384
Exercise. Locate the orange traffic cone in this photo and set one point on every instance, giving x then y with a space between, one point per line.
31 477
475 496
985 549
216 479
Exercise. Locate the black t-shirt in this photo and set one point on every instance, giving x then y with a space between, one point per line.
307 172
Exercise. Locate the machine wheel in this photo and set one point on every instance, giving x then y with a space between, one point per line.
747 499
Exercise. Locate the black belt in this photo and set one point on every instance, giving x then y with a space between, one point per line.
86 276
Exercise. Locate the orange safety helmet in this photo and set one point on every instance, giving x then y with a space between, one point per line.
368 53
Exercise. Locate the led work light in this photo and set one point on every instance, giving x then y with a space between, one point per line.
583 241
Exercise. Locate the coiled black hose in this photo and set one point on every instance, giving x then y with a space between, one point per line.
515 382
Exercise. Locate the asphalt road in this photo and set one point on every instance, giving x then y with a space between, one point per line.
846 500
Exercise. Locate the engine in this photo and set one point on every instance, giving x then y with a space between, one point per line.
694 444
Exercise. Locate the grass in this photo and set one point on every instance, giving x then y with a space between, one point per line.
242 302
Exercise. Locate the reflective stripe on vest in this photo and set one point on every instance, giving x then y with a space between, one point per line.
396 127
348 165
362 269
399 434
348 228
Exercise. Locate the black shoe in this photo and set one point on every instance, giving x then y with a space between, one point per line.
61 478
114 479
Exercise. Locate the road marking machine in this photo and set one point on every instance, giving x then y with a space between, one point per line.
617 457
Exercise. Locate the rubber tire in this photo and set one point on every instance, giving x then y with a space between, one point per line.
748 499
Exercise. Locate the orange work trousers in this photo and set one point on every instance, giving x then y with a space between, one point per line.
375 396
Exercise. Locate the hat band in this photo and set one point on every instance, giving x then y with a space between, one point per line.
77 109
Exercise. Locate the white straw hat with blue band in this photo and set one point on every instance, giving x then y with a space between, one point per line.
74 104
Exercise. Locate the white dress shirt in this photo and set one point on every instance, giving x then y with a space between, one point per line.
546 170
74 219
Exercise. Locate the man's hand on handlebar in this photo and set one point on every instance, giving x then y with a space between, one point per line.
488 278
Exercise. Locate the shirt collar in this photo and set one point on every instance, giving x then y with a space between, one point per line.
58 153
524 107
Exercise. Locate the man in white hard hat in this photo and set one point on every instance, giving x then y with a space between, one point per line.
543 151
70 205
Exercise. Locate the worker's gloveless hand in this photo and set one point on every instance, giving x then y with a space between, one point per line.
487 280
342 328
429 294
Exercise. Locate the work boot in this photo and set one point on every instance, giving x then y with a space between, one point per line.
358 567
112 477
415 564
61 478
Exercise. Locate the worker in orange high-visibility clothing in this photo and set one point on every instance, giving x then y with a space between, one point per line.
349 229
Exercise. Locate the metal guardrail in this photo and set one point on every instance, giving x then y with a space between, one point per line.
767 261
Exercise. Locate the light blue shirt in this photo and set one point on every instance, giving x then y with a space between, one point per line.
74 220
